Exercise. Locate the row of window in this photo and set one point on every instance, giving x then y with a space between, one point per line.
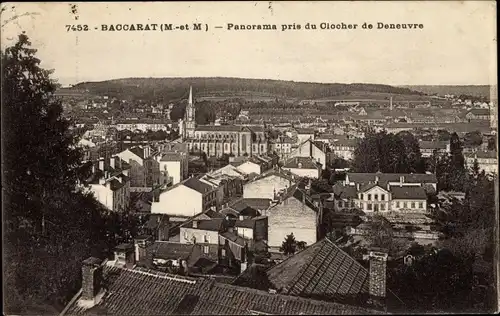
375 197
206 238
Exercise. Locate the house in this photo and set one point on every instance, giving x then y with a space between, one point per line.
173 165
303 167
326 272
487 161
202 230
230 170
119 287
478 114
145 169
227 187
427 148
282 146
264 185
310 149
157 226
110 184
344 147
293 211
185 199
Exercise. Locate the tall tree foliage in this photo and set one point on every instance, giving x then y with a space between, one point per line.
387 153
49 225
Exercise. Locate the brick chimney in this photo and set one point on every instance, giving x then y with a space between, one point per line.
91 278
377 277
124 255
195 224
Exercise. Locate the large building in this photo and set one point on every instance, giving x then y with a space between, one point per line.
217 140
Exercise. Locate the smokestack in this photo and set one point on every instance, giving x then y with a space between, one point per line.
101 164
377 276
141 244
91 278
195 224
125 256
401 180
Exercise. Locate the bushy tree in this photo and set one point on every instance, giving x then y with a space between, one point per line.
289 245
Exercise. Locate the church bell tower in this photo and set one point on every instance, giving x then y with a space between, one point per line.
190 115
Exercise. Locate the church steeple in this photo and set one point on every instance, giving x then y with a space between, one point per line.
190 114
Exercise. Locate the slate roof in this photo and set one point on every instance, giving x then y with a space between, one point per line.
364 178
171 157
218 128
306 163
345 191
234 238
432 145
137 151
255 203
140 291
480 111
413 193
214 224
197 185
170 250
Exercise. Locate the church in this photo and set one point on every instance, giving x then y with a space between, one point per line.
217 140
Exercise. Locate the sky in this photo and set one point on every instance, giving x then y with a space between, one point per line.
457 45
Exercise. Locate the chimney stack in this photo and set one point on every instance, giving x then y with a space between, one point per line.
124 255
377 276
101 164
401 180
195 224
91 278
112 162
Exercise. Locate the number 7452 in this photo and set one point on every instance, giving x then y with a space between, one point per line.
77 27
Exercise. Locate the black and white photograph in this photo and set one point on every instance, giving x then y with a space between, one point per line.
249 158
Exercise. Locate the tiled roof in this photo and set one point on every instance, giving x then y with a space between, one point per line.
303 130
408 193
369 186
197 185
143 292
324 271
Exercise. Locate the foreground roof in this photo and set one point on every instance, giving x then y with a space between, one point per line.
143 292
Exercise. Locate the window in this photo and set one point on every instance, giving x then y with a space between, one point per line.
382 197
375 197
223 252
206 238
340 203
412 204
420 205
398 205
382 207
206 249
361 196
369 197
405 205
369 206
185 235
353 204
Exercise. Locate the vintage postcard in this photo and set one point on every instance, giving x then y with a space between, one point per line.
259 158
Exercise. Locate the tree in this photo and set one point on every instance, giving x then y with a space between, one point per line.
473 139
457 163
289 245
381 152
45 239
412 150
443 135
